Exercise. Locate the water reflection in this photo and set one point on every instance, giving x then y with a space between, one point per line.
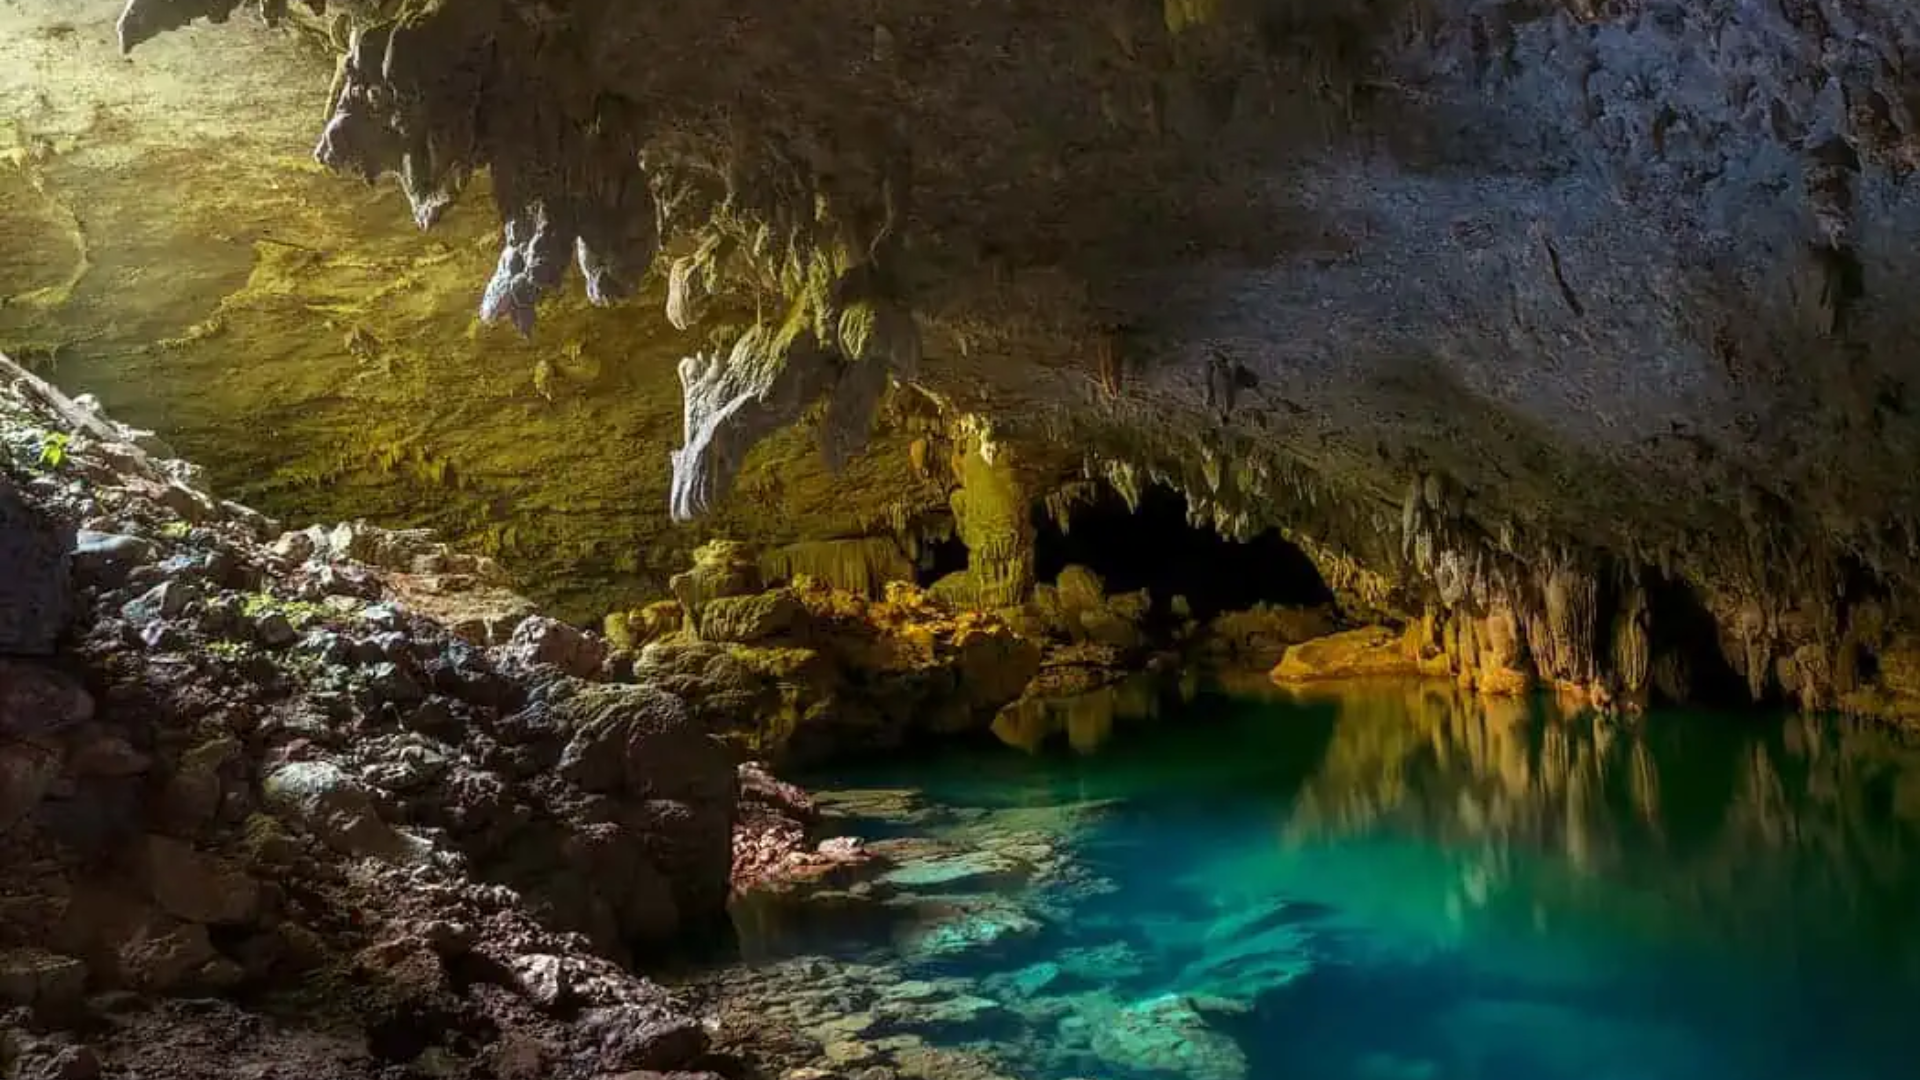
1086 720
1801 832
1382 880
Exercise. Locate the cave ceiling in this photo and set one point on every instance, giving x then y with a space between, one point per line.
1601 274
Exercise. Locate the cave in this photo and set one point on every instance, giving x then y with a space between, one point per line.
1154 546
494 491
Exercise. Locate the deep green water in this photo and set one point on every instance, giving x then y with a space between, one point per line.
1392 882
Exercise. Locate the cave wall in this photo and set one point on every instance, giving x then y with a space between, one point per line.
171 247
1502 310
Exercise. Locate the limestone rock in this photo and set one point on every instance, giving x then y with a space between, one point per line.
862 565
1371 651
1259 636
36 599
1165 1035
167 960
751 620
721 568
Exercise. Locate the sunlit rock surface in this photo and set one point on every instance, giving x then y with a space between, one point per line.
1585 312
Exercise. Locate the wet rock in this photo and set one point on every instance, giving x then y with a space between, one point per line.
336 809
197 887
1164 1034
36 977
103 560
543 641
954 871
35 699
762 788
36 601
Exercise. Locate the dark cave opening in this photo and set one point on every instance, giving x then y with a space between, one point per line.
941 552
1684 648
1154 548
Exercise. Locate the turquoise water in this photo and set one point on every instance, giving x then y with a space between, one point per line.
1391 882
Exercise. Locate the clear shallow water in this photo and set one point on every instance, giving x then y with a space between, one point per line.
1392 882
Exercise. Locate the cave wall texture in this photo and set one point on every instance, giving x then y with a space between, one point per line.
1574 327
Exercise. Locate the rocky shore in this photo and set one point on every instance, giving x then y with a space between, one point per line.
328 803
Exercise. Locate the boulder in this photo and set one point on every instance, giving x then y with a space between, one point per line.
105 559
642 746
1371 651
198 887
36 593
750 620
335 808
1259 636
721 568
539 640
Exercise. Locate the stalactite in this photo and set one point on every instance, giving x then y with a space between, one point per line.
1632 626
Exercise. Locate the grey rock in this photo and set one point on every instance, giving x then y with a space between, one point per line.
539 640
391 683
336 808
36 598
105 559
273 630
169 961
167 600
295 547
641 744
161 637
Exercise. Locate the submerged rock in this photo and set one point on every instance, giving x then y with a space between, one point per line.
1164 1034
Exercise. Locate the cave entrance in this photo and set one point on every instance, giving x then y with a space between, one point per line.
1154 548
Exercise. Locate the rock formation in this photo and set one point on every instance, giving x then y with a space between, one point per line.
1567 328
245 766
